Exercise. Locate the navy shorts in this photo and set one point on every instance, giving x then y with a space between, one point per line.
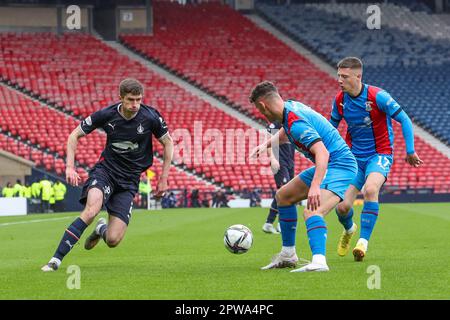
117 195
283 176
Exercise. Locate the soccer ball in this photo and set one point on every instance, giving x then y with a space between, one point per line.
238 239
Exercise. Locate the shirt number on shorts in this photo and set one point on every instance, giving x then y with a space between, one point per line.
383 162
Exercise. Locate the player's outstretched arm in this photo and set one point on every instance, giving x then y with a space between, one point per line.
163 186
72 176
278 138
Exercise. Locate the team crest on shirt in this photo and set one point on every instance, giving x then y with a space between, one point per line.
140 129
368 106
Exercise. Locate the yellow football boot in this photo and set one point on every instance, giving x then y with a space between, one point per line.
344 241
359 251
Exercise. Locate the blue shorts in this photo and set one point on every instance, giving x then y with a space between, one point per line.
338 177
117 197
377 163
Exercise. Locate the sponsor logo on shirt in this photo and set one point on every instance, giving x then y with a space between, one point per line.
368 121
124 146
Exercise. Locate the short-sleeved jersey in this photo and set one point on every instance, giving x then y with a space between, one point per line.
304 127
368 117
286 150
128 151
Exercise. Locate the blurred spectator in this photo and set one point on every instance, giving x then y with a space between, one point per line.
207 200
145 188
27 191
46 187
255 198
18 189
8 191
169 200
35 201
60 192
52 200
194 199
220 200
245 194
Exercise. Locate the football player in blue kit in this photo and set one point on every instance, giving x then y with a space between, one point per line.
368 111
324 184
113 181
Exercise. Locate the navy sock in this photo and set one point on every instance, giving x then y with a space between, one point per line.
273 212
346 221
70 238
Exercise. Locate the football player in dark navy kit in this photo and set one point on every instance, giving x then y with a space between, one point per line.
114 179
282 165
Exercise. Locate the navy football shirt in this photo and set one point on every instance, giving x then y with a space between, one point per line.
128 151
286 150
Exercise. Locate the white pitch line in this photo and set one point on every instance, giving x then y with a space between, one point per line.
32 221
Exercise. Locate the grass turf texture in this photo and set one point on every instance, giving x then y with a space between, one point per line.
179 254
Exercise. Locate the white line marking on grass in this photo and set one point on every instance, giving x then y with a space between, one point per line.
32 221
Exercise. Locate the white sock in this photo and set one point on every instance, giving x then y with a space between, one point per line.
319 259
289 251
352 229
364 242
55 260
97 229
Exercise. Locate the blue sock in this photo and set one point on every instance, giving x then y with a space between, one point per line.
369 217
288 224
317 234
273 211
346 221
70 238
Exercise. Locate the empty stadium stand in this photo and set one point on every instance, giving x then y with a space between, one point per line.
223 48
78 75
409 58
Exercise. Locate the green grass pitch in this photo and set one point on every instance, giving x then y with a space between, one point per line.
179 254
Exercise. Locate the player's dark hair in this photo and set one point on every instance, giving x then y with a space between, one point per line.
350 62
130 86
261 90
